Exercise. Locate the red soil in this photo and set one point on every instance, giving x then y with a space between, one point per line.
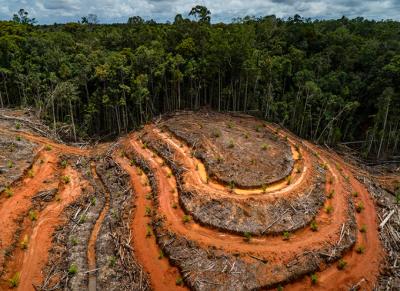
272 247
14 208
30 262
163 276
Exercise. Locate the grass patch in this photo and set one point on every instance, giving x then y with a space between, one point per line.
13 282
329 209
286 235
24 242
341 264
247 236
9 192
65 179
33 215
314 226
179 281
314 279
360 249
72 270
360 207
186 218
363 228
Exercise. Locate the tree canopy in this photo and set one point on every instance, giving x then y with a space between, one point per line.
326 80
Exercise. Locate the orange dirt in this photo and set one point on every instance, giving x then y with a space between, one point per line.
162 275
361 270
272 247
29 262
17 206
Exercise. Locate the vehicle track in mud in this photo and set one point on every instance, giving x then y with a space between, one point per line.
176 244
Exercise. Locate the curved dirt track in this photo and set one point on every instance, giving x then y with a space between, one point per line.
169 246
272 248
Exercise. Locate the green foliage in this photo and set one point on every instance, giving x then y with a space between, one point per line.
179 281
33 215
112 261
314 225
359 207
330 194
147 211
314 279
24 242
72 270
186 218
341 264
64 164
363 228
9 192
360 249
329 209
247 236
286 235
324 80
13 282
65 179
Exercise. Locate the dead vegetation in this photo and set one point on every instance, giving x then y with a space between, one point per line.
232 202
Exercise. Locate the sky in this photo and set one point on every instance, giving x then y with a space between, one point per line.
110 11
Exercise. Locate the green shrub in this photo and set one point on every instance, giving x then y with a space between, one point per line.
9 192
363 228
314 279
341 264
147 211
13 282
73 269
48 147
149 232
330 194
17 125
329 209
359 207
314 226
360 249
33 215
247 236
65 179
10 164
186 218
286 235
64 164
179 281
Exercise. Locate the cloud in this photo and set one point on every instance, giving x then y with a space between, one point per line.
49 11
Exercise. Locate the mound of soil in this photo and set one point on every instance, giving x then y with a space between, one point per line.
235 149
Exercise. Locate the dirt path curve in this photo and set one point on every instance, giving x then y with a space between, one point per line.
273 246
91 251
14 208
198 177
29 263
65 149
162 275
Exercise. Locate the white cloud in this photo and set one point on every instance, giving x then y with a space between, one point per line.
48 11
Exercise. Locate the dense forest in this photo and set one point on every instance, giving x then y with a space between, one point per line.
326 80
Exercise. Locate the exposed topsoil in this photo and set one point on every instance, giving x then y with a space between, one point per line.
201 201
234 149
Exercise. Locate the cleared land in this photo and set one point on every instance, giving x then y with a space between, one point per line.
201 201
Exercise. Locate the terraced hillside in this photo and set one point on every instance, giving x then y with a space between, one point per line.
201 201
